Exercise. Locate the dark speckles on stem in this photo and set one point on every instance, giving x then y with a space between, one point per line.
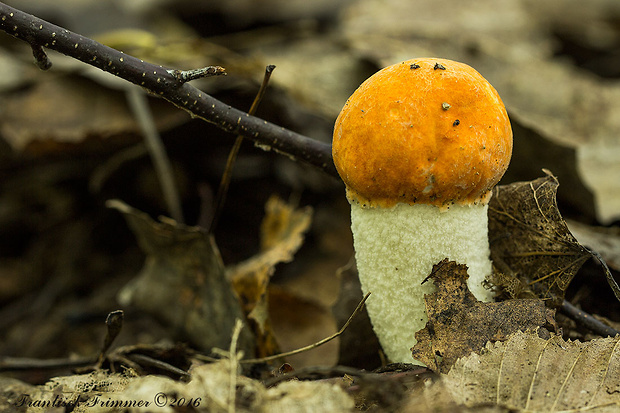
439 66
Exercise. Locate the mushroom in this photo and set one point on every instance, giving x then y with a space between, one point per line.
419 146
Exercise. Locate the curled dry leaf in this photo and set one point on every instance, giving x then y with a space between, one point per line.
183 282
459 324
282 233
528 373
529 238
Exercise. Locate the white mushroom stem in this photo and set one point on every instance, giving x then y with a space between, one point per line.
395 250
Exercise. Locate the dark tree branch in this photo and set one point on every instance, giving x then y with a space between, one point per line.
167 83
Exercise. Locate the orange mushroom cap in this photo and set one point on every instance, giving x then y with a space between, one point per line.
426 130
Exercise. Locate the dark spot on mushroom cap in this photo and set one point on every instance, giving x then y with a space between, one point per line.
414 66
456 123
439 66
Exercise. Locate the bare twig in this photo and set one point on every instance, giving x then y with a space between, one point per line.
222 190
159 81
144 360
586 320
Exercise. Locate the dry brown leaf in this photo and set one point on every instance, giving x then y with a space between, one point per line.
183 282
283 227
33 120
282 233
529 238
297 323
458 323
528 373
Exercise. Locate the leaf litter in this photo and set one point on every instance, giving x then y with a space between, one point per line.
479 49
530 373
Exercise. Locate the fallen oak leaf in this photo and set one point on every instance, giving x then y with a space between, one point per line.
528 235
458 324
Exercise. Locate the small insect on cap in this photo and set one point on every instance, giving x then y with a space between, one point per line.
430 131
